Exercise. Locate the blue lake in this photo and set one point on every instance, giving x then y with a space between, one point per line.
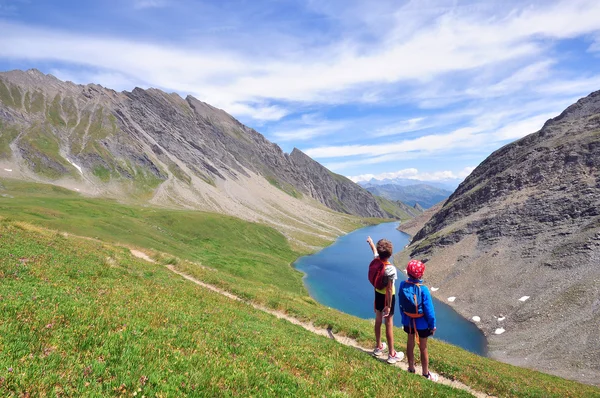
337 277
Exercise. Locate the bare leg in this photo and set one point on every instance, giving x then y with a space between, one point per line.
410 350
424 355
389 333
378 318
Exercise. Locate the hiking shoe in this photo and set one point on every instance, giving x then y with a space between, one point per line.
431 376
379 350
398 356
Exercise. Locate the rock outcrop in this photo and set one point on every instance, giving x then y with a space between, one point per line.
335 191
526 223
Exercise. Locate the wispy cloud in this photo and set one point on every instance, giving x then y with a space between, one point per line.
462 138
443 76
485 133
141 4
415 174
329 73
404 126
308 126
10 8
595 46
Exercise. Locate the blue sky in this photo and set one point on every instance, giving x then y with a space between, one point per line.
419 89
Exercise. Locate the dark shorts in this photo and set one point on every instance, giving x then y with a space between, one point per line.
380 302
422 332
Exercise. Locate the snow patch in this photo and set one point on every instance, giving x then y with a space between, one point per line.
7 169
435 289
476 319
501 319
451 299
74 165
524 298
499 331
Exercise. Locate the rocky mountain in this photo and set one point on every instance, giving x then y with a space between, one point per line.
165 149
414 225
425 195
518 245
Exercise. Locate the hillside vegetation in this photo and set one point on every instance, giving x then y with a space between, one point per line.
83 317
397 209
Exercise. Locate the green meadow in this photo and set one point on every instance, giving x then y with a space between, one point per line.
83 317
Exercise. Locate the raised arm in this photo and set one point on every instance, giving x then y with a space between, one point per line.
370 242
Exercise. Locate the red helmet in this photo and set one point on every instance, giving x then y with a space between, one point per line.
415 269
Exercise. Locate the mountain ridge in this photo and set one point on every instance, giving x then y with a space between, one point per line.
526 226
168 150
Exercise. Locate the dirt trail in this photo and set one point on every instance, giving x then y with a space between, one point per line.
310 327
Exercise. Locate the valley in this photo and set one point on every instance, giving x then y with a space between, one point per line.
92 319
88 174
187 187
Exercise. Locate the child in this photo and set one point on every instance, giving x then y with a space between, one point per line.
418 315
385 301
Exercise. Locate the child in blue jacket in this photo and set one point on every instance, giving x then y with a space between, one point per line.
418 315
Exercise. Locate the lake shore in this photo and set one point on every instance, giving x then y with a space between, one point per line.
346 260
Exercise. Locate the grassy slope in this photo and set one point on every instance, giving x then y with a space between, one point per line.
84 318
393 209
482 374
218 241
265 255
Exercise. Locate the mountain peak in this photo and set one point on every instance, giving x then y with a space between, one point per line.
199 155
530 213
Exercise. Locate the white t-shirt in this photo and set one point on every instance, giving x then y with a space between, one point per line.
391 274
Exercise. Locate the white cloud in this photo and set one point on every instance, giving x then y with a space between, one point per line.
108 79
308 126
415 174
517 81
442 40
404 126
522 128
595 46
261 112
462 137
142 4
486 132
575 86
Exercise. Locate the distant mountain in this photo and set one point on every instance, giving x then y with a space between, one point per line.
161 148
423 194
447 185
518 245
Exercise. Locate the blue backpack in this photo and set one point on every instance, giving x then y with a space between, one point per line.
410 299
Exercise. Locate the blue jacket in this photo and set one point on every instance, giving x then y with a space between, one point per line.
428 320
